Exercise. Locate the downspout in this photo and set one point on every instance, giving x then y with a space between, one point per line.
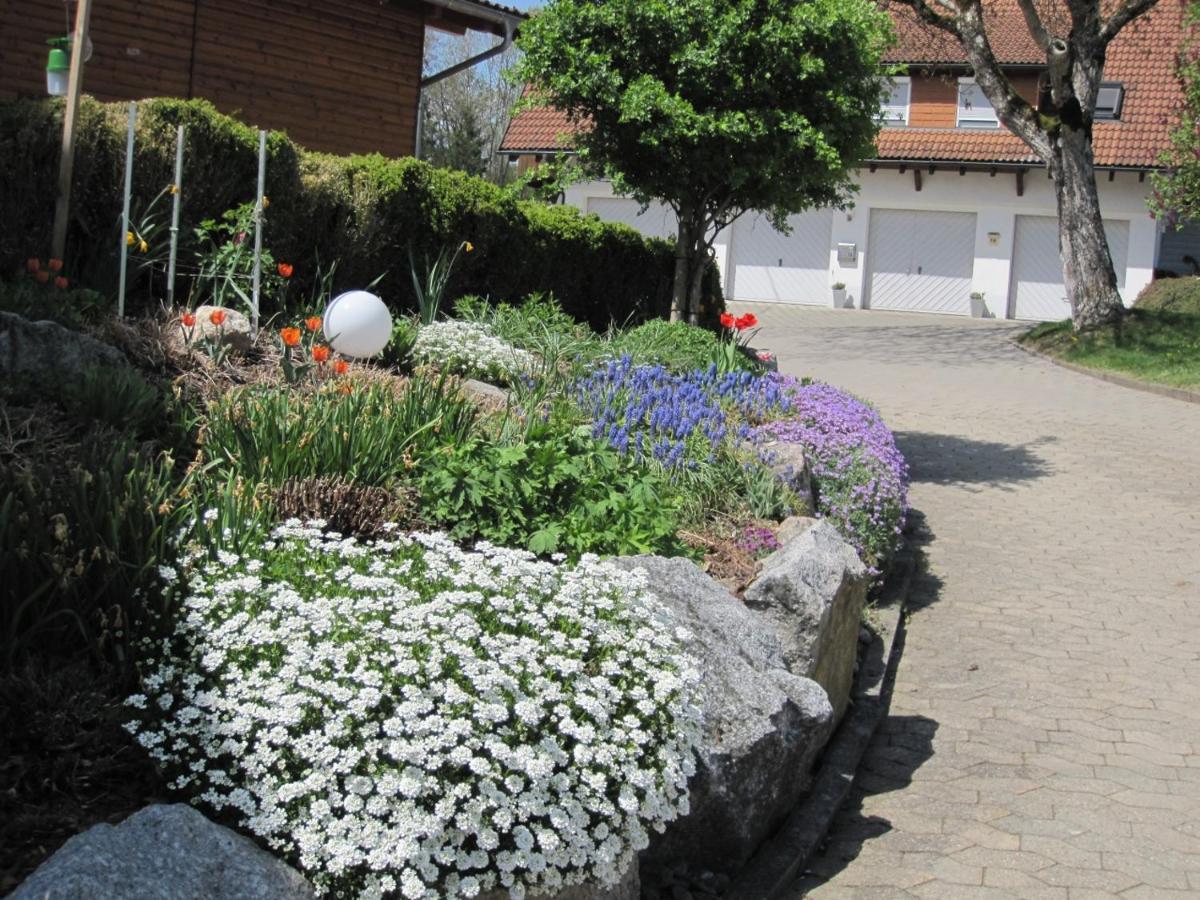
509 25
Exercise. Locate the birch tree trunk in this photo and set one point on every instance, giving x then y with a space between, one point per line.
1088 272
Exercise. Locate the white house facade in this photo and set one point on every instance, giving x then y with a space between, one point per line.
921 250
952 204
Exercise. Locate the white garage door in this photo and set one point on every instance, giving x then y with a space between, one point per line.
921 260
788 268
1038 291
657 221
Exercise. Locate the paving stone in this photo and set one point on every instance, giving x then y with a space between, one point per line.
1060 531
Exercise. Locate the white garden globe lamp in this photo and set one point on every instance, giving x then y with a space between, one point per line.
357 324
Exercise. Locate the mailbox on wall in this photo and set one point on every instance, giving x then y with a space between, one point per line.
847 254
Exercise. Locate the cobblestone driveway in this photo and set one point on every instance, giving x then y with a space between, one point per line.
1044 739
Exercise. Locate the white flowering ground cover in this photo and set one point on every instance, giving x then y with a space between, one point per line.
407 717
469 348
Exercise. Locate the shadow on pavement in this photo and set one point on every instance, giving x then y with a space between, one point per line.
901 746
950 459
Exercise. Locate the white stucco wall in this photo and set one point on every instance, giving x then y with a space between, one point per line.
993 199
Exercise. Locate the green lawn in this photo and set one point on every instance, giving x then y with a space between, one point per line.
1154 345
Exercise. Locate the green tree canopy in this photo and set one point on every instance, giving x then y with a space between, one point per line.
715 107
1177 190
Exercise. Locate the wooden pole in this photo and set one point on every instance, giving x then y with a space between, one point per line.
129 137
177 190
66 164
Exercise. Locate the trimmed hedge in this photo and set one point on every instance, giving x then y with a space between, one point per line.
1177 295
364 211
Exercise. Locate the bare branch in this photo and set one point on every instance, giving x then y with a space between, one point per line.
1126 13
1012 109
1034 22
930 16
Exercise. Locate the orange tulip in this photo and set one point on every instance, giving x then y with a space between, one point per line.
320 353
313 323
217 317
61 283
290 336
55 265
32 264
42 277
188 320
341 367
285 269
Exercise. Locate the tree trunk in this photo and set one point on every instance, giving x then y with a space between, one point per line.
1088 273
690 263
683 246
696 287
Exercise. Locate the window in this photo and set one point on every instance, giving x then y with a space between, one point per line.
895 102
974 109
1109 99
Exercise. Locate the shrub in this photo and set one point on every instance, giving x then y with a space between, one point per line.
861 479
409 717
362 210
677 346
471 349
556 490
1176 295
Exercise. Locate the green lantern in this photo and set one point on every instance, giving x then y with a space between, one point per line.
58 66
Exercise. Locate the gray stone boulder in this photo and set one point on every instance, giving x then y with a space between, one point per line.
789 462
163 853
811 591
485 393
792 527
234 332
764 725
47 351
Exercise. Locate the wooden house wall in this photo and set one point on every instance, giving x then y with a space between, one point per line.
933 99
337 75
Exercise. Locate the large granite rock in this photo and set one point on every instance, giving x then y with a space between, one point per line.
811 591
47 351
764 725
163 853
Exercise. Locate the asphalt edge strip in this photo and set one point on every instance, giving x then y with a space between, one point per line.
1161 390
784 857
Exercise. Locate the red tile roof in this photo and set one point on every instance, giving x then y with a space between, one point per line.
1141 58
1010 38
540 129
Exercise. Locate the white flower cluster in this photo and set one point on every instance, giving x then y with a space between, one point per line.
471 349
410 718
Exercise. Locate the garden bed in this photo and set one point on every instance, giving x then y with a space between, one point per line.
298 564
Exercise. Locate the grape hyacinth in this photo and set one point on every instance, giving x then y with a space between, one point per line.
678 420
